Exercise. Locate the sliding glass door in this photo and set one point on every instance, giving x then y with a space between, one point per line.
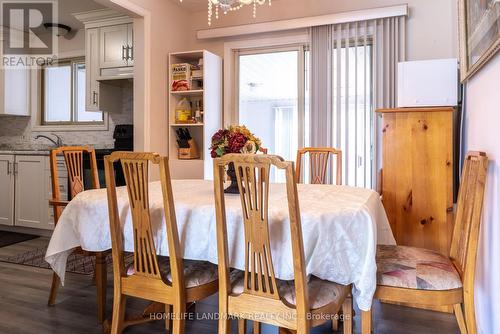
272 98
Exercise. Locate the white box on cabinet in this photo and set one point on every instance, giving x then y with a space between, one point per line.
428 83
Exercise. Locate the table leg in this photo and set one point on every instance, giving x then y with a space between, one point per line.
101 281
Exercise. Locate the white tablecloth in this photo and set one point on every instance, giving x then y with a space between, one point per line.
341 226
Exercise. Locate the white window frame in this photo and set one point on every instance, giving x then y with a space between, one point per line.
290 42
36 107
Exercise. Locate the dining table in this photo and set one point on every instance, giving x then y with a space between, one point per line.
341 228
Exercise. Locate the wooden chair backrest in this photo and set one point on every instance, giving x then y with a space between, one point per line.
468 217
252 173
136 171
318 163
73 158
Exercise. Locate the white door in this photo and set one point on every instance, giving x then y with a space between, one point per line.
113 51
7 189
272 99
31 192
92 69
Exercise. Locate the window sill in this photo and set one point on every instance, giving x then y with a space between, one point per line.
72 127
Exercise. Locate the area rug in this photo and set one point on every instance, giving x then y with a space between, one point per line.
10 238
77 263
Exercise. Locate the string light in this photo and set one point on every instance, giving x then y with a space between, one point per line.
231 6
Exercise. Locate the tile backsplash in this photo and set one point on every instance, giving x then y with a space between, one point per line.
15 132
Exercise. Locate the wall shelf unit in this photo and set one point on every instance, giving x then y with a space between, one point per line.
208 90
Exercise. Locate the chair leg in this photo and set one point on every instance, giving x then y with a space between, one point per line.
56 282
460 318
224 325
347 314
119 306
469 313
101 281
242 326
366 322
179 321
256 327
168 317
335 323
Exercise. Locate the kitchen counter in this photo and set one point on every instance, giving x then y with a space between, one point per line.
25 151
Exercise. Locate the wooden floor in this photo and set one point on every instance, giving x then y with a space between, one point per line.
24 291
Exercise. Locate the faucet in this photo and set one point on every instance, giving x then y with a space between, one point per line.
58 142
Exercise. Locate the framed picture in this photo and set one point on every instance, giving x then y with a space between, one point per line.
479 24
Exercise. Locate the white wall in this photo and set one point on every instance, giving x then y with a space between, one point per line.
481 134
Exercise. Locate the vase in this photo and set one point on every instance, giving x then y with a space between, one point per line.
233 187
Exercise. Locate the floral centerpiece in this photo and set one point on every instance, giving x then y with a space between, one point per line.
234 139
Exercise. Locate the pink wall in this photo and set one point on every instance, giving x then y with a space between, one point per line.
424 40
483 134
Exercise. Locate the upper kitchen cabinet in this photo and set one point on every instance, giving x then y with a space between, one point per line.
109 48
109 52
14 90
116 49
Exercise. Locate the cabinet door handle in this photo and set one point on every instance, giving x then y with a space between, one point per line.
131 56
124 57
16 165
8 167
94 97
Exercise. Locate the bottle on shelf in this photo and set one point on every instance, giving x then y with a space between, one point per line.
183 113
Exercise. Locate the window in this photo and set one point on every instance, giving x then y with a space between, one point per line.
63 95
272 99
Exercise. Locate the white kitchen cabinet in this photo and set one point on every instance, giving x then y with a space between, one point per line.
116 46
130 43
31 192
92 69
7 190
14 92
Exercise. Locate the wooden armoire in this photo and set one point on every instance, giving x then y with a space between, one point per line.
418 175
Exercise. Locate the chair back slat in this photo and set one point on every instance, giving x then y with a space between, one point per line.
136 179
468 217
73 159
318 163
74 164
253 181
136 172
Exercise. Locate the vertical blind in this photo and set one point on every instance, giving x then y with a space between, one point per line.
353 72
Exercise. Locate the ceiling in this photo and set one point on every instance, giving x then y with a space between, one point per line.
68 7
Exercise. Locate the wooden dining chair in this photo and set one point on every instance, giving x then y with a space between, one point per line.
424 277
73 160
257 294
318 163
171 280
